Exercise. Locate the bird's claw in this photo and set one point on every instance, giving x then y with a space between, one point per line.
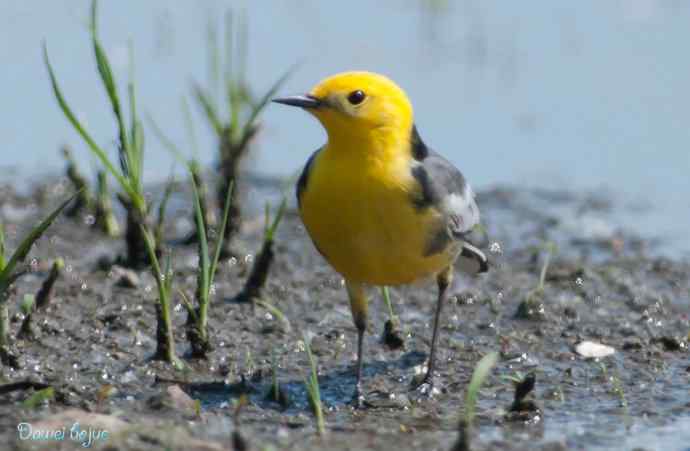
425 386
358 401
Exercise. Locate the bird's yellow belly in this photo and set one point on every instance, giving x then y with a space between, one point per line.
369 230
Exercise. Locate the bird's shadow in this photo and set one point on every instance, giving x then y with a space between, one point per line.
336 387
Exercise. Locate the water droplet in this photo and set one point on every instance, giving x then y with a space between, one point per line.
579 281
84 286
495 248
232 261
68 268
148 288
90 220
178 307
499 296
268 317
248 258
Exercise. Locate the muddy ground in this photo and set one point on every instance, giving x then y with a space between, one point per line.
93 344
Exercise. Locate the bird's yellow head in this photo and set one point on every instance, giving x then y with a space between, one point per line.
357 105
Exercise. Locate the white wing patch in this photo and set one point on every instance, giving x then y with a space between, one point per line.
462 210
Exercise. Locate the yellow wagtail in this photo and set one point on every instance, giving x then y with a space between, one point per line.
379 205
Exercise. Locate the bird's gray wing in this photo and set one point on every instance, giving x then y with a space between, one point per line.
443 188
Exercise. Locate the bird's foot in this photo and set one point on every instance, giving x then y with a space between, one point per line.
425 386
358 400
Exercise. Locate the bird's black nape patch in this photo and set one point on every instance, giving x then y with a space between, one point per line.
419 150
304 177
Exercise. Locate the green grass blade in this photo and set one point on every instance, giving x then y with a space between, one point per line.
229 50
38 398
151 249
270 232
259 107
221 233
242 48
213 49
385 291
108 79
95 148
168 143
205 264
28 241
209 110
189 125
481 372
2 247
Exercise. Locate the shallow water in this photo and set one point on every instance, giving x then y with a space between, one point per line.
545 94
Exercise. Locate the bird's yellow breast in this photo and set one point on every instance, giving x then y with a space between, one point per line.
360 216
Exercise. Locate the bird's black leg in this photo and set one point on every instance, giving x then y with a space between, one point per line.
359 307
443 280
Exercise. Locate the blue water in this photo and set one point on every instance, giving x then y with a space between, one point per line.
582 95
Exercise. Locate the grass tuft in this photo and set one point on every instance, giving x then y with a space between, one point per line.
197 319
313 391
235 128
130 146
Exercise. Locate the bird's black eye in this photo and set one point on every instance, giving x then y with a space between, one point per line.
356 97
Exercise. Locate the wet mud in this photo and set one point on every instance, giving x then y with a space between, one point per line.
94 341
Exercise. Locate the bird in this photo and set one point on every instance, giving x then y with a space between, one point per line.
380 206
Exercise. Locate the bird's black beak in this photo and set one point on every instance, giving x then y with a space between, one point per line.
305 101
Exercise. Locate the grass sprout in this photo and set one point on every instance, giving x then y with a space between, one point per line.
165 341
9 268
313 391
197 320
392 335
532 307
479 375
